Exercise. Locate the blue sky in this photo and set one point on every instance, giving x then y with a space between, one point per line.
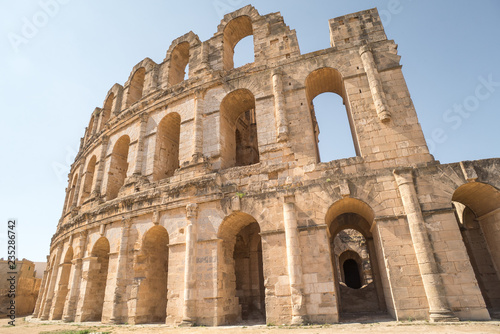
54 75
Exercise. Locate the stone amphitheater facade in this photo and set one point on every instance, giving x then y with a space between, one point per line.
204 200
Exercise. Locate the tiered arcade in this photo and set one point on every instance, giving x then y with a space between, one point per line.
204 200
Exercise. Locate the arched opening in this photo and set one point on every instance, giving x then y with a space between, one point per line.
118 167
321 81
96 281
62 290
90 128
179 60
354 259
88 178
238 127
244 52
167 147
477 209
151 270
242 289
106 111
136 86
336 141
351 274
235 30
72 192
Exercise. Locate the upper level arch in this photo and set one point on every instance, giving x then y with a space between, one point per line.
237 29
238 129
179 57
136 86
481 198
111 105
324 80
142 78
118 167
355 206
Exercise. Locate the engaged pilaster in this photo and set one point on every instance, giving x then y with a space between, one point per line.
50 291
293 260
279 105
375 83
100 168
140 145
189 310
75 277
433 284
198 126
121 275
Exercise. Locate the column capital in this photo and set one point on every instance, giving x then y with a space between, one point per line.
403 175
191 210
365 48
277 71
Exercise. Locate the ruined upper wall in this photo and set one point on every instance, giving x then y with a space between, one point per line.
198 121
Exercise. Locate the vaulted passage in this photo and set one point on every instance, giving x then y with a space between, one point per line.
151 270
340 140
167 147
351 274
238 126
354 259
88 178
96 281
477 209
242 291
118 167
62 289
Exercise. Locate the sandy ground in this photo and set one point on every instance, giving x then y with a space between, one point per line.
29 326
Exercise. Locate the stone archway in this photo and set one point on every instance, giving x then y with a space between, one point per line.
96 281
242 288
151 270
477 209
349 221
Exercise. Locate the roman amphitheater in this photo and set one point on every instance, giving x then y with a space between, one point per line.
204 201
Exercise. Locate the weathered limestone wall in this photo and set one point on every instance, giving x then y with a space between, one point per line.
175 213
27 287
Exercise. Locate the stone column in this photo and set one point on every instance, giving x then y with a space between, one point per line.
433 284
50 291
83 312
189 310
293 260
140 145
100 168
198 126
58 301
279 105
77 187
119 300
375 83
74 279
